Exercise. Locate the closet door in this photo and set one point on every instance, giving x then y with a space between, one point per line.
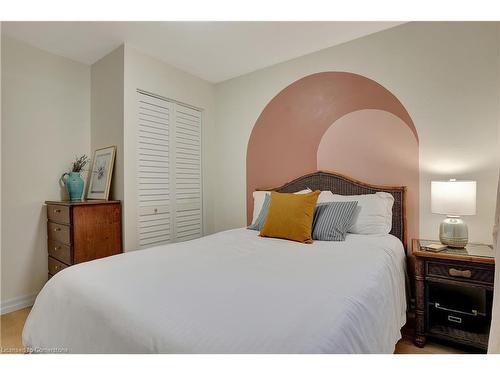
169 179
154 199
187 174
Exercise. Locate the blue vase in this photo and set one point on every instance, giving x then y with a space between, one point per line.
74 184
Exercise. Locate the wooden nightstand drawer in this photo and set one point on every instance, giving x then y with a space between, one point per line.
55 266
443 317
59 232
455 271
58 213
60 252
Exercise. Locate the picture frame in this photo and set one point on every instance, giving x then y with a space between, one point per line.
101 173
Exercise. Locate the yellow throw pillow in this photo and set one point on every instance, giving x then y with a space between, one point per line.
291 216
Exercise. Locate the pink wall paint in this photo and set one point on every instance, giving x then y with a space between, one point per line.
377 147
285 139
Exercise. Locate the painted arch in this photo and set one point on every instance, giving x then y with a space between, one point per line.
336 121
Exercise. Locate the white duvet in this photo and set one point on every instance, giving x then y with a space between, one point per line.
231 292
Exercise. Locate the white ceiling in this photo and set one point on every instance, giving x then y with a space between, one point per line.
214 51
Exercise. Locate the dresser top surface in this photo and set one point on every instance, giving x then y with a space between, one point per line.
81 203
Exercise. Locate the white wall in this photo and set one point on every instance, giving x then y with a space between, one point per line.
106 106
445 74
45 123
149 74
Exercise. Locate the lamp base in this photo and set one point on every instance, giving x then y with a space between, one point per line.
453 232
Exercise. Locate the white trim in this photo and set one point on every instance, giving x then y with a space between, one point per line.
17 303
169 100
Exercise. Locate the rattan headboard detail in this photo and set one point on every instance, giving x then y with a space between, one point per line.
344 185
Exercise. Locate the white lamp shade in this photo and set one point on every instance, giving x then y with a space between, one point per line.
453 197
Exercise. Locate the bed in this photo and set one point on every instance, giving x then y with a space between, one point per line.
234 292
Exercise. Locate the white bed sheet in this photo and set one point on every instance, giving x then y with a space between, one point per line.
231 292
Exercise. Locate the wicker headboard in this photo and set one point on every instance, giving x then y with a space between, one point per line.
340 184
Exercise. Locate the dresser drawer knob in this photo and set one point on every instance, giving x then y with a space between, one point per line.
58 229
57 211
459 273
57 248
56 267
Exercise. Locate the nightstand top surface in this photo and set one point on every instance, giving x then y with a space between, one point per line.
480 253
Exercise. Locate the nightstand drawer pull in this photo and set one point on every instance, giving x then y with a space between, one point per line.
472 313
454 319
458 273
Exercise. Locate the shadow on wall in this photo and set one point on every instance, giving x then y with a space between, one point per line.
40 252
335 121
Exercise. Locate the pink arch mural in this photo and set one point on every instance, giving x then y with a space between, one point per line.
335 121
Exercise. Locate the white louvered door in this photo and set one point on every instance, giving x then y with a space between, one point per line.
153 170
169 183
187 174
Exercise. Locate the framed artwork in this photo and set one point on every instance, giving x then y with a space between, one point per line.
101 173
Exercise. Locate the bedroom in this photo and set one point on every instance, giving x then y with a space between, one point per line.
283 197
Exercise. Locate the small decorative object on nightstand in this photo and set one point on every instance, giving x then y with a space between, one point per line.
81 231
454 199
454 293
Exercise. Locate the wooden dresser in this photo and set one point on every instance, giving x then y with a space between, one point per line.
81 231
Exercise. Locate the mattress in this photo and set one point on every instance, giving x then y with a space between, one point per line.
231 292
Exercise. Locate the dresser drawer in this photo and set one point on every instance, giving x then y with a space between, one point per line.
59 233
59 214
55 266
454 271
60 251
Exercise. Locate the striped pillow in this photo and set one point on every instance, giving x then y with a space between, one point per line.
332 220
259 222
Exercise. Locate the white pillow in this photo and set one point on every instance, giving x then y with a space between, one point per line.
325 197
258 201
373 213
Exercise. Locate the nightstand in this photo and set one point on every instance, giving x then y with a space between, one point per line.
454 294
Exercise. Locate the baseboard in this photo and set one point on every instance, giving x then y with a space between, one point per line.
17 303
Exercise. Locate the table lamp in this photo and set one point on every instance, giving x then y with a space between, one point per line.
454 199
